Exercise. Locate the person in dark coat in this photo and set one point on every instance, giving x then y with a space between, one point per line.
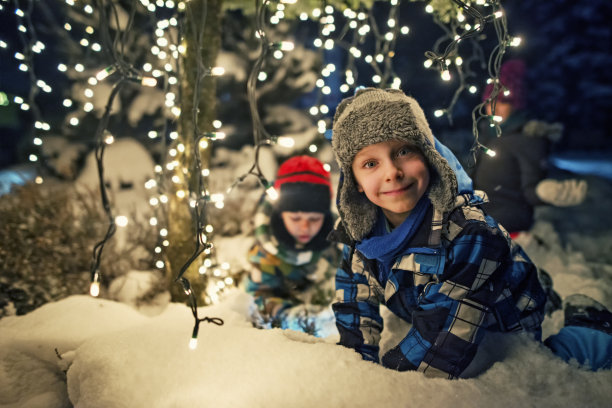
515 179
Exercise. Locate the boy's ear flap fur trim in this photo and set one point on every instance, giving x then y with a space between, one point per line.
357 212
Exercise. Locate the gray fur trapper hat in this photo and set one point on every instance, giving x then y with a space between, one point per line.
372 116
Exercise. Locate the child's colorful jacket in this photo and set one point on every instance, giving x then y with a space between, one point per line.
282 277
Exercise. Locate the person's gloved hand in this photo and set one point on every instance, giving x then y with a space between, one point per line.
562 193
312 319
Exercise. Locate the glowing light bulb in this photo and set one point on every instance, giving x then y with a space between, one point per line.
121 220
193 343
217 71
105 72
287 46
148 81
516 41
94 288
272 193
286 141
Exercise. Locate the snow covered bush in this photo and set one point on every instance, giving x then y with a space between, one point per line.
46 246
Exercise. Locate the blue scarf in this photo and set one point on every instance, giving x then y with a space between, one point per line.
384 246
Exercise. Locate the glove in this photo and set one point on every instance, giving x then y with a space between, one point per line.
562 193
315 320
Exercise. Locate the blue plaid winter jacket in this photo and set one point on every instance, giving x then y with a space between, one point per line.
459 276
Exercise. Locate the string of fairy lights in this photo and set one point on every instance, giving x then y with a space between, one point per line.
30 46
465 24
364 28
106 32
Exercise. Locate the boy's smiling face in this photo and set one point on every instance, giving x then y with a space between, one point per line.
393 175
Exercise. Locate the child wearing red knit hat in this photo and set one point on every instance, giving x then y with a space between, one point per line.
293 264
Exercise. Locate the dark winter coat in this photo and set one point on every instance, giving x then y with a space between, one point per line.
457 277
511 176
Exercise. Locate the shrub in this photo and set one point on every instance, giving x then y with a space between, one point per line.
46 240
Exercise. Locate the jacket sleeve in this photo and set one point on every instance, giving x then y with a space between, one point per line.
451 309
356 308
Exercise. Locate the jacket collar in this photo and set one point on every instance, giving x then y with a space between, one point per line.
429 233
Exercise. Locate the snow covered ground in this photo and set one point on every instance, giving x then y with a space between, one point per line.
88 352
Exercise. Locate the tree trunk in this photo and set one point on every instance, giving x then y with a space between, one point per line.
199 15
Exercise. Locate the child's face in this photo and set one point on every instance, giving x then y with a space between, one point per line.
393 175
502 109
303 226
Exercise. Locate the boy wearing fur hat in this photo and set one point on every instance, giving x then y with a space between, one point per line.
416 241
293 264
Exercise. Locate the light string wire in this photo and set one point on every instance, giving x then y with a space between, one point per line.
499 21
321 54
494 65
124 71
259 132
115 46
452 50
463 69
261 137
28 43
383 46
200 218
161 181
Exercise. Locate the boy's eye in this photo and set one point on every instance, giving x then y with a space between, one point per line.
369 164
404 151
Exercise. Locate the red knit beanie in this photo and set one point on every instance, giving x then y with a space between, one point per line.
303 185
512 78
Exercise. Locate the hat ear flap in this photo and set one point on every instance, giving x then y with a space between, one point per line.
357 212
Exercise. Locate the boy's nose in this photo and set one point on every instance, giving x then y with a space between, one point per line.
393 172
